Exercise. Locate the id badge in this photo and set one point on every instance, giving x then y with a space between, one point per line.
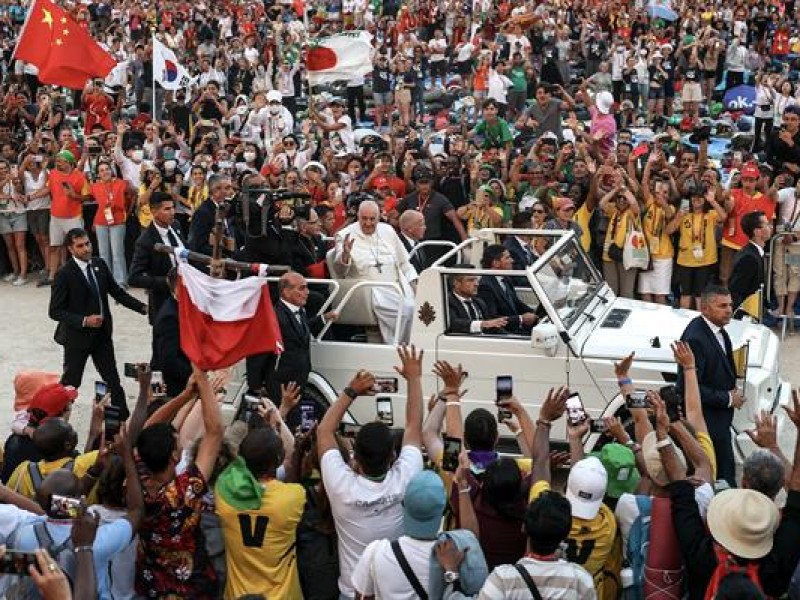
109 215
698 252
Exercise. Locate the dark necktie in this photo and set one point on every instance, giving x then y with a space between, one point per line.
474 314
301 319
94 286
173 241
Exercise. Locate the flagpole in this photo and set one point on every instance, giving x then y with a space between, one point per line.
153 73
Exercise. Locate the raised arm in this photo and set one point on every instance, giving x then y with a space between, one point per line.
411 371
211 441
551 410
360 385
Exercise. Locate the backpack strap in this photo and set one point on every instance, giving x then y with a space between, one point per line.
526 577
409 573
35 474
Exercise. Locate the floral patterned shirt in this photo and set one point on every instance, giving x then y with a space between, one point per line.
172 560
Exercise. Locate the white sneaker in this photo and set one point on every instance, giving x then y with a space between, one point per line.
19 281
9 278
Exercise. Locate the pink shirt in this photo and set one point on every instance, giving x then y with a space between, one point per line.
606 126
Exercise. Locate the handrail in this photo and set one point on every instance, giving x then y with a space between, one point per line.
447 243
352 290
768 284
329 282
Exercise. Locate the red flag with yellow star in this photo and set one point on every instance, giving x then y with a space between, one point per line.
62 50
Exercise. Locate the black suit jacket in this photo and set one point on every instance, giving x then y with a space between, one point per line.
149 270
72 299
418 260
517 252
202 226
747 275
716 374
459 320
294 363
500 304
167 354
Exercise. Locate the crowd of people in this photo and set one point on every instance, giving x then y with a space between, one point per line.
603 119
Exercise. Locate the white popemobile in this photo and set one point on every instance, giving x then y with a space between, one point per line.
586 328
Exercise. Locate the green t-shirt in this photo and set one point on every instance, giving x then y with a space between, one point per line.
519 80
495 135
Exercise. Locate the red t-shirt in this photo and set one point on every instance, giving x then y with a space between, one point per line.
109 194
61 205
733 236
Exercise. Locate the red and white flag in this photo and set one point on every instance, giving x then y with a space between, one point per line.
339 57
224 321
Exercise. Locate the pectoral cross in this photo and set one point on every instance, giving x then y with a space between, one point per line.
378 266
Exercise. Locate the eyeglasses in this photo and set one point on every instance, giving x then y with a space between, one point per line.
289 143
538 211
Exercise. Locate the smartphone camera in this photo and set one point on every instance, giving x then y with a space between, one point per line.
307 417
636 399
64 506
349 430
672 401
385 413
100 391
576 413
597 426
385 385
452 448
504 388
250 407
14 562
157 387
112 418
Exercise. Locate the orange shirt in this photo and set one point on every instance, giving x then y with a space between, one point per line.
111 195
61 205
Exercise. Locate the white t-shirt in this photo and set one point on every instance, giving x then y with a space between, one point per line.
438 49
364 510
32 185
789 208
627 510
378 573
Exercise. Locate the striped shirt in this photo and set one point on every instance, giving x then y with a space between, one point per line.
556 580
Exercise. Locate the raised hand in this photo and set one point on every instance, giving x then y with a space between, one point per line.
411 359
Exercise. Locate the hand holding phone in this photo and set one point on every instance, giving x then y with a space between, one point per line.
15 562
452 449
100 391
384 409
504 389
576 413
636 399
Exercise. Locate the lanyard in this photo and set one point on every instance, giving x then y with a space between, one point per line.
701 235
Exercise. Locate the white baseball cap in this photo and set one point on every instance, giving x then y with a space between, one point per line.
274 96
603 101
586 487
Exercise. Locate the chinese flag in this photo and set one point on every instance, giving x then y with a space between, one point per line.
62 50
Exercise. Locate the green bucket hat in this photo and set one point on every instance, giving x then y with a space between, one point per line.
67 156
238 487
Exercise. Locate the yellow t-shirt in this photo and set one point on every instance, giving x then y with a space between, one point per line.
260 545
143 209
617 229
654 222
582 217
708 447
20 480
595 545
697 246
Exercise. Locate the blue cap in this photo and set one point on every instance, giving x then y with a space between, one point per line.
423 506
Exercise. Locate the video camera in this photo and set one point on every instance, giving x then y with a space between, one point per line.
256 208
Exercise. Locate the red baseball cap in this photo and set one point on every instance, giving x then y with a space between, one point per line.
751 170
380 182
53 399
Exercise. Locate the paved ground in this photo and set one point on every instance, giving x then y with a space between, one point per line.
26 342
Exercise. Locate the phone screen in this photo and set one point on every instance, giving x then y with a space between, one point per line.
111 418
100 390
64 505
15 562
385 385
349 430
636 399
452 448
597 426
504 389
250 407
307 417
157 387
385 414
685 205
576 413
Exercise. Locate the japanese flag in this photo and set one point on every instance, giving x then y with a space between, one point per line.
339 57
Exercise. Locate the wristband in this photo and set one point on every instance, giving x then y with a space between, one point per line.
543 423
350 393
624 381
630 443
452 404
663 443
692 368
83 549
466 490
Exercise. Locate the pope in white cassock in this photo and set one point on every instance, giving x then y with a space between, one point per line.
372 251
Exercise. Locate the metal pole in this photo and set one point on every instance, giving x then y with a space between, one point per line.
233 265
